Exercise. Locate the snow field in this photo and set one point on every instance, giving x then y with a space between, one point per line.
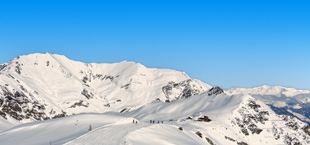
56 131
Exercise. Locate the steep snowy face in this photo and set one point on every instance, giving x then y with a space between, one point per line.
43 86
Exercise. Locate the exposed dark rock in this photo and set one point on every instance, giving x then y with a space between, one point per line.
254 105
306 129
87 94
123 110
215 91
291 140
244 131
22 88
185 89
3 115
242 143
63 114
276 132
80 103
209 141
199 134
2 66
292 125
126 86
229 138
254 129
98 75
1 101
108 77
85 79
189 118
18 69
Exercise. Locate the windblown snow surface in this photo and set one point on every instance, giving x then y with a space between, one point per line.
49 99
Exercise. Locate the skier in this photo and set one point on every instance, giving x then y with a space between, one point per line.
158 121
162 122
150 121
136 122
133 121
90 127
153 121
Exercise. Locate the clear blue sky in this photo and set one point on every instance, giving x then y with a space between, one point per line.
226 43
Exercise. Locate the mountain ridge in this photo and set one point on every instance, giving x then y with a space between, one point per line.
43 80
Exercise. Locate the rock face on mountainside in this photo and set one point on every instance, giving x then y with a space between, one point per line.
215 91
284 101
44 86
253 119
182 89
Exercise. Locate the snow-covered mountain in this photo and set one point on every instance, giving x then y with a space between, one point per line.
289 101
168 105
43 86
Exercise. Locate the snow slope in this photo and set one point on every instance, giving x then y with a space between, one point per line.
235 119
57 131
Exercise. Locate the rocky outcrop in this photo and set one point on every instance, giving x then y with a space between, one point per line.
18 106
250 118
181 90
253 117
215 91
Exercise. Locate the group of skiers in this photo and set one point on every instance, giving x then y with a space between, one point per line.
153 121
